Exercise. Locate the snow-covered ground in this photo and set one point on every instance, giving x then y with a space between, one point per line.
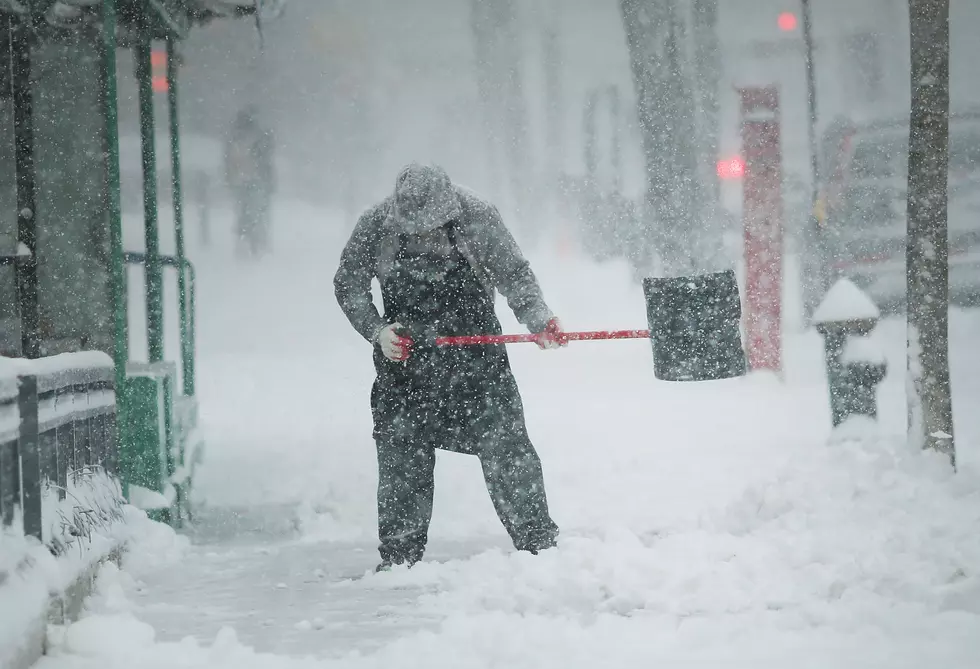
712 524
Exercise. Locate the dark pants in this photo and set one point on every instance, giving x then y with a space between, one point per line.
406 466
462 399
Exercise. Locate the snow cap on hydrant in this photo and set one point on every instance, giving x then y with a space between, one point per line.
424 200
854 358
846 302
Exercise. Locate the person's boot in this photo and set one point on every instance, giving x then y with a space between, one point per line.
387 565
535 541
534 549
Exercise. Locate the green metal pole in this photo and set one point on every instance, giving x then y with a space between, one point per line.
186 352
154 273
117 262
19 31
117 267
192 313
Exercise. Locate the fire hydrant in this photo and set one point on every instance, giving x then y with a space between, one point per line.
855 363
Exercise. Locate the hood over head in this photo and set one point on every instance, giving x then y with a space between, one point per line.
424 199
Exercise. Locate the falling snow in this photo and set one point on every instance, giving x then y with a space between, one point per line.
548 503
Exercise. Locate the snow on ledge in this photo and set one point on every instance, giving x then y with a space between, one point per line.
54 364
34 583
845 302
146 499
70 361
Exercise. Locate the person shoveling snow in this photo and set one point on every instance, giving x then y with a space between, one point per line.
439 253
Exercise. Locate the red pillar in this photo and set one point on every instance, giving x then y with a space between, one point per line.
762 214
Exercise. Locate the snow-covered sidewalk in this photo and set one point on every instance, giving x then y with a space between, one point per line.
703 525
855 555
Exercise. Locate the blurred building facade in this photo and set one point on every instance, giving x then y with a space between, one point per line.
356 89
861 59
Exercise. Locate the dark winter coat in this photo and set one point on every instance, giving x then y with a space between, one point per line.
441 281
481 237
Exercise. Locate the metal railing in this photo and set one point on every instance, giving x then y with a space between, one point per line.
187 278
57 421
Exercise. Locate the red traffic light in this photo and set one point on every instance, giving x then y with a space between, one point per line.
786 21
731 168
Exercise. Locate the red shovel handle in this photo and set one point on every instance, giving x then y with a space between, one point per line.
474 340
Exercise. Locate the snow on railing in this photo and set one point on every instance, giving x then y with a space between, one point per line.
58 454
60 495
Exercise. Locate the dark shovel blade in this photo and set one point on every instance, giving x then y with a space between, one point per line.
694 327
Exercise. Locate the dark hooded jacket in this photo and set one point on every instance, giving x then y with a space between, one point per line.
479 235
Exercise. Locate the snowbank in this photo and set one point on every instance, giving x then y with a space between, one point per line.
859 554
858 535
24 566
82 522
36 586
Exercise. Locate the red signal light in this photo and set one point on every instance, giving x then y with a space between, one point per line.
786 21
158 62
731 168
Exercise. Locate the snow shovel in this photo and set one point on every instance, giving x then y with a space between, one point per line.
694 329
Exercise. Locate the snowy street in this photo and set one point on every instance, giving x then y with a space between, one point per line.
711 524
214 454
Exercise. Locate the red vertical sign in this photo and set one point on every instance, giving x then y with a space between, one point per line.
762 214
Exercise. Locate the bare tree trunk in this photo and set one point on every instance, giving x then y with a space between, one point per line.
485 91
708 63
500 78
552 62
929 397
665 107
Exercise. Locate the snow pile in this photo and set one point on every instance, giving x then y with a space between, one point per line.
93 520
120 641
532 642
82 521
860 538
25 567
150 545
859 554
86 527
703 524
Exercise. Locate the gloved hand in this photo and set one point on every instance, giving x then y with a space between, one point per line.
395 346
553 336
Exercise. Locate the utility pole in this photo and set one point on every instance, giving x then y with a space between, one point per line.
815 276
811 102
